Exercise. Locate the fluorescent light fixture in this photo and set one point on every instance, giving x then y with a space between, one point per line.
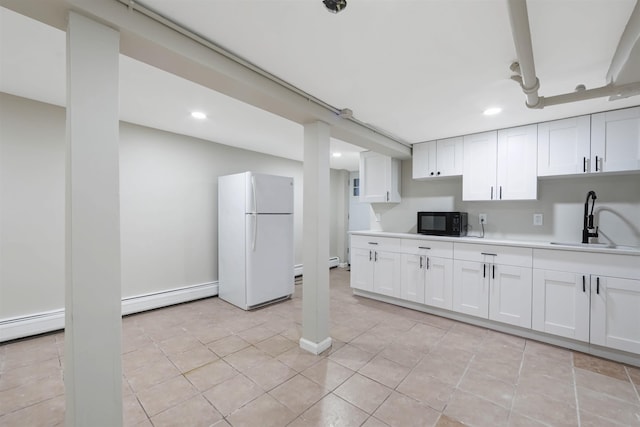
337 154
198 115
492 111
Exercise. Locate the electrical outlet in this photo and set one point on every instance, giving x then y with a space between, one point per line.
537 219
482 218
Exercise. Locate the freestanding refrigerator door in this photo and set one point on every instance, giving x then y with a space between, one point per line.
269 194
269 258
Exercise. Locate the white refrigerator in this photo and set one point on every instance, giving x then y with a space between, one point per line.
255 239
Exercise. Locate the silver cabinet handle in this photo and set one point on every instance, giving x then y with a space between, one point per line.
423 247
487 253
427 263
373 243
420 262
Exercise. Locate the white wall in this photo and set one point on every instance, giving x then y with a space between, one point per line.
561 200
168 190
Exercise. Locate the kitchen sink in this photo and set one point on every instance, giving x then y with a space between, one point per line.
595 245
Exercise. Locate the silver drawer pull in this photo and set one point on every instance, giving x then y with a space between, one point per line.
373 243
423 247
486 253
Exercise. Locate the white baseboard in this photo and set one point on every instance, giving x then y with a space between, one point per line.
315 348
298 269
24 326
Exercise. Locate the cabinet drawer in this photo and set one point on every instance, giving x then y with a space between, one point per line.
614 265
427 247
505 255
390 244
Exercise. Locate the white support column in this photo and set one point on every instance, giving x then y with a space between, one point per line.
315 297
93 322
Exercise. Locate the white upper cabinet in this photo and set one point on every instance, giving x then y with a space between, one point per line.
564 146
379 178
479 166
501 165
615 140
439 158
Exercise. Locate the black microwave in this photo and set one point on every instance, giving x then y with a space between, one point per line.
443 223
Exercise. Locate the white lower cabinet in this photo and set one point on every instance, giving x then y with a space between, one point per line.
412 278
386 273
361 269
427 280
591 308
470 288
375 265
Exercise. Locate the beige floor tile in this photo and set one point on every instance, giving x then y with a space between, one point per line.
344 332
473 410
208 333
351 357
445 421
601 383
587 419
534 365
27 374
264 411
402 354
298 359
30 393
499 340
608 407
148 376
193 358
427 389
445 370
600 366
461 341
402 411
488 387
519 420
256 334
132 412
298 394
247 358
363 392
166 395
178 344
276 345
141 357
332 411
374 422
228 345
563 390
30 351
328 374
232 394
195 412
369 342
543 408
385 371
270 374
44 414
535 348
205 377
506 370
634 374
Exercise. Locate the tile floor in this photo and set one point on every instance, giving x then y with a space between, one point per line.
207 363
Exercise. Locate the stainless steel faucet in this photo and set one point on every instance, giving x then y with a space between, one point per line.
587 229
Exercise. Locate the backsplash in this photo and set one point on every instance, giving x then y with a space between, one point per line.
560 200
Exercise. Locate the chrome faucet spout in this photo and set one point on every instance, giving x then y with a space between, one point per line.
588 218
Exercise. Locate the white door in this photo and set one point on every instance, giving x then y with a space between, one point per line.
269 193
560 304
424 159
269 269
615 140
450 155
510 295
615 313
439 282
362 269
386 273
375 172
412 277
470 288
479 171
564 146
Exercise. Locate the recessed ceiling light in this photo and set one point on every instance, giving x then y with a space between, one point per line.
337 154
492 111
198 115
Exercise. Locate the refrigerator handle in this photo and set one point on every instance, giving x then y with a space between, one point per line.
253 191
255 232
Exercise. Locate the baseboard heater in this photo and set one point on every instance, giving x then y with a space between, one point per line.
333 263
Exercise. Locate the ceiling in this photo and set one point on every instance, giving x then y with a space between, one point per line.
416 69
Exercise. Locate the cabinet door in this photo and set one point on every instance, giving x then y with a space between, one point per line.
374 173
471 288
615 140
615 313
560 304
386 273
517 173
412 278
424 159
510 295
362 269
479 166
450 155
439 282
564 146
